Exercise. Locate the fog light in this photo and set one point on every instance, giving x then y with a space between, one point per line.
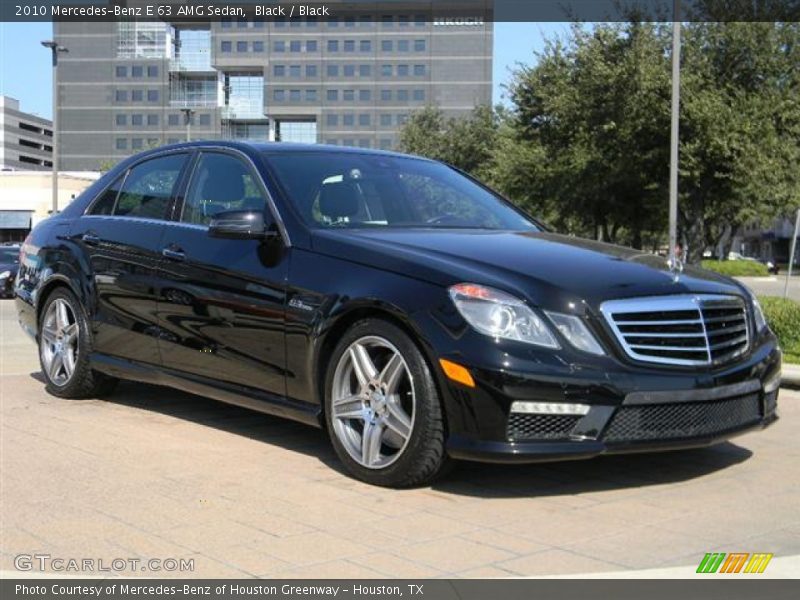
549 408
773 383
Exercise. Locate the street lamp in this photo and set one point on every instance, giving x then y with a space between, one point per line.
55 49
673 150
188 113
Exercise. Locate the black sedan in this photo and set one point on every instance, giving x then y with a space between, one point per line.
396 302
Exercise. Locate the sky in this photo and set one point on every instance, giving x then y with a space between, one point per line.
26 74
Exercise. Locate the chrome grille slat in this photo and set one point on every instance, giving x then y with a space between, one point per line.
690 330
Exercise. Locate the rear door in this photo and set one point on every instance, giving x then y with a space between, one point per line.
223 300
120 239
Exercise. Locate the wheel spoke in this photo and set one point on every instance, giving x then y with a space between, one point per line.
371 443
55 366
48 334
71 330
69 362
396 418
62 318
392 374
350 407
362 364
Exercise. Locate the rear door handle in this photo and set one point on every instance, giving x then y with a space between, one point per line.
173 253
90 239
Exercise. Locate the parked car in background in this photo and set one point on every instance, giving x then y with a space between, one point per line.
394 301
771 266
9 263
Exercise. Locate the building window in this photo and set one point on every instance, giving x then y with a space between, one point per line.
332 95
294 24
348 142
152 120
402 119
333 70
386 120
294 71
278 70
258 46
419 70
137 96
122 71
363 143
122 144
419 95
241 46
258 24
386 70
349 120
205 120
331 141
419 20
122 120
419 45
349 45
152 95
311 95
279 46
332 120
387 46
137 71
136 144
152 71
333 45
402 70
387 21
333 22
173 120
365 46
295 46
172 140
386 95
294 95
225 23
241 23
403 46
137 120
349 70
365 95
152 142
226 46
311 46
311 70
364 120
349 95
279 23
385 144
364 70
402 95
311 22
403 20
140 39
244 94
349 22
121 96
278 95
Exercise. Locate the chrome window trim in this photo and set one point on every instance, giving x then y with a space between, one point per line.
676 302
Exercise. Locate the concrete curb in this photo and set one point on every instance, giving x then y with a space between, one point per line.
790 375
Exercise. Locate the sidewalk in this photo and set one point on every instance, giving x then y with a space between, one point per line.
790 376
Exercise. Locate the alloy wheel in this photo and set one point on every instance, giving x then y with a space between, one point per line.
373 402
59 342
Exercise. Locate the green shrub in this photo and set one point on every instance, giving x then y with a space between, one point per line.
736 268
783 316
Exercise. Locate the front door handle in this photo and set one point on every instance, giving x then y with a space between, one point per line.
90 239
173 253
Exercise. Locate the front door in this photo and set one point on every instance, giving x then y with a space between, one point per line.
222 301
120 240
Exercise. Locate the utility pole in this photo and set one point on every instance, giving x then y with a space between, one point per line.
55 49
673 151
188 113
791 254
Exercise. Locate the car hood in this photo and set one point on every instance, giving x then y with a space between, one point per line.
545 267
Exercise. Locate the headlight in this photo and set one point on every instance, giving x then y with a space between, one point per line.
758 314
500 315
5 274
576 332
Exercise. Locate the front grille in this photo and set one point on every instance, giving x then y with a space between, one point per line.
522 426
680 330
682 420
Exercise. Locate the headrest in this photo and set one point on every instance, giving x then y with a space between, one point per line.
340 199
223 189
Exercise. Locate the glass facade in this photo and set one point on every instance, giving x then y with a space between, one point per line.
244 95
142 39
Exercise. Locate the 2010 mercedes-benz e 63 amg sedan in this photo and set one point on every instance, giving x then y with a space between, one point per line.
393 300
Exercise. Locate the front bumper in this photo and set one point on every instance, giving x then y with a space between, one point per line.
630 410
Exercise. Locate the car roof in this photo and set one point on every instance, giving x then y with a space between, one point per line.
278 147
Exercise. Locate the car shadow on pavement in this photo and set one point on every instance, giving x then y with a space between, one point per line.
470 479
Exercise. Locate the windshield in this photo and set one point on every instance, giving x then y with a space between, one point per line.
350 190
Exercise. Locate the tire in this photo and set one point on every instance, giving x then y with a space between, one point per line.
66 338
394 402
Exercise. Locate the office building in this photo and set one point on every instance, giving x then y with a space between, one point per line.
26 140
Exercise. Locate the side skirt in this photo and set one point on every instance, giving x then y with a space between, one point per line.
250 398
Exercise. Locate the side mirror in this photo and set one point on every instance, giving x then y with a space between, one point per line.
239 224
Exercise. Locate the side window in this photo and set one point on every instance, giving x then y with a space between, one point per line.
104 205
220 183
149 186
